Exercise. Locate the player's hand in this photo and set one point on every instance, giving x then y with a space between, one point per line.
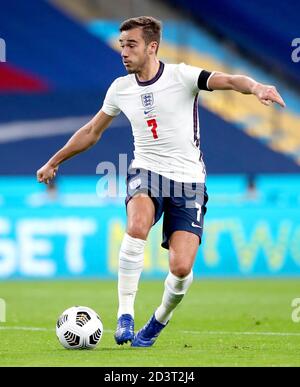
46 173
268 94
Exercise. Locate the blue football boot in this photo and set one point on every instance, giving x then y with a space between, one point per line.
147 336
125 329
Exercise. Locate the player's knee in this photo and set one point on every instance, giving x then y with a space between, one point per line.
138 227
181 270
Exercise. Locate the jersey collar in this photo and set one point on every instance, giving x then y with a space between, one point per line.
153 80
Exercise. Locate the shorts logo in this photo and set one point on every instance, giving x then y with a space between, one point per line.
195 225
135 183
147 100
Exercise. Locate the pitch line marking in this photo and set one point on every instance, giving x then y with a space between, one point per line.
35 329
242 333
5 328
38 329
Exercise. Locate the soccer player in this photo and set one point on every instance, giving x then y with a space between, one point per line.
160 101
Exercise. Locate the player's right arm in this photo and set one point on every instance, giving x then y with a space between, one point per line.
83 139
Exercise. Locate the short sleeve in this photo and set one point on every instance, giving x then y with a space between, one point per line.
195 78
110 105
189 76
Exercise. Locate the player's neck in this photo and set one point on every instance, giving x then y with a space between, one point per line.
149 71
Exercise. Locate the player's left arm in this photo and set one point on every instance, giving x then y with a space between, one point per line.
246 85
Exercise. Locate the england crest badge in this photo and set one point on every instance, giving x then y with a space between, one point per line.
147 100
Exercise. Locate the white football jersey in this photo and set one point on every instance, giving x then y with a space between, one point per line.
163 113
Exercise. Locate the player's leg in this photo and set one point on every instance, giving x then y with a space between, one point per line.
183 246
140 215
182 231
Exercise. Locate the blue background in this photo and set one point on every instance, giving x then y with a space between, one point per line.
79 233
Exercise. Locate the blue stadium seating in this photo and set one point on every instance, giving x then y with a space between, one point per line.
43 41
226 150
78 67
265 29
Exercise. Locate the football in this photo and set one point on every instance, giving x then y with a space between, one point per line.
79 327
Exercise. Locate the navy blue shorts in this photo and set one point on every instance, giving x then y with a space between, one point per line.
183 204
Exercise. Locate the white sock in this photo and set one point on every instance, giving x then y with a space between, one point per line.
131 260
175 289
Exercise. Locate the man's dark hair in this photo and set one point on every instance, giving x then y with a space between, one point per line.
150 26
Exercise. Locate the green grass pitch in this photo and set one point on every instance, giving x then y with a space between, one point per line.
219 323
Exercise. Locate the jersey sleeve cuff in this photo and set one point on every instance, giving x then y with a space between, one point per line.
110 112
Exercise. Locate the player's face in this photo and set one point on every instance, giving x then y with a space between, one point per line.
134 51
